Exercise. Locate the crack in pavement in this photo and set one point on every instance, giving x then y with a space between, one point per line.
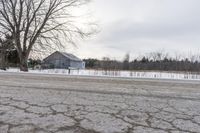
31 109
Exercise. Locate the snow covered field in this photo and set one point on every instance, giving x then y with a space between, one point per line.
128 74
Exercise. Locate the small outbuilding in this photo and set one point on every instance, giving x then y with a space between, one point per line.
63 60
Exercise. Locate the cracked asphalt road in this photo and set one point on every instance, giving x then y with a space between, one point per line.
31 103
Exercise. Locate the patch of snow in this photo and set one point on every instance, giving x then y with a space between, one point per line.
125 74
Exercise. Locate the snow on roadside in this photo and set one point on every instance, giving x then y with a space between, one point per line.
127 74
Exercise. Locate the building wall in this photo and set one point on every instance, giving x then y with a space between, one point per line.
56 60
77 64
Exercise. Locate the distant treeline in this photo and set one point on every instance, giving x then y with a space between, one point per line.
156 62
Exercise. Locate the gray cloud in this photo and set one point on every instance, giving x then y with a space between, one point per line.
139 26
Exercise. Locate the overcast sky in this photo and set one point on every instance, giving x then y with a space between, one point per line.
142 26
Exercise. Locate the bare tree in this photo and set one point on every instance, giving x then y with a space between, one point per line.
126 62
158 55
40 24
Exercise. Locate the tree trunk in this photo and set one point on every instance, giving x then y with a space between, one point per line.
23 63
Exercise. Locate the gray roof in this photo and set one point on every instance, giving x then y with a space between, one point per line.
70 56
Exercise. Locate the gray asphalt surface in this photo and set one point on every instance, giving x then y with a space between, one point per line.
35 103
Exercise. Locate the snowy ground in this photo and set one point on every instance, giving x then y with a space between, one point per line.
127 74
39 103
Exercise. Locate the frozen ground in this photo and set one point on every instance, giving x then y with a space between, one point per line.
32 103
